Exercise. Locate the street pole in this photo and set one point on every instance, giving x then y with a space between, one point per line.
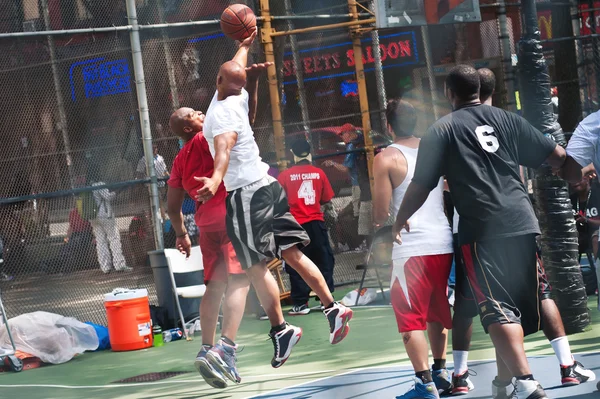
559 240
140 86
379 78
60 104
507 68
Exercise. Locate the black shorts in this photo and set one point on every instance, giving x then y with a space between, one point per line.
259 222
503 276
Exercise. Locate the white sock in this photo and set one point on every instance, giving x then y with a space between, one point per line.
460 361
563 351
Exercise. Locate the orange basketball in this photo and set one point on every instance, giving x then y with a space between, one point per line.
238 21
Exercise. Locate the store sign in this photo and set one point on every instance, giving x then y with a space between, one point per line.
397 50
98 78
545 21
545 24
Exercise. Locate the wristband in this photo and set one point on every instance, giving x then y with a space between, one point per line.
183 235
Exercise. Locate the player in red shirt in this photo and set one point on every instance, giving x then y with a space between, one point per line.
307 188
223 273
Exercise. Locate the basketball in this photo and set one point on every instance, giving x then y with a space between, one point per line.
238 21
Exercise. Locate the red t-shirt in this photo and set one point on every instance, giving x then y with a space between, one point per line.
194 159
77 223
307 187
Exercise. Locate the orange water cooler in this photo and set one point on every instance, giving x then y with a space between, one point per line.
129 321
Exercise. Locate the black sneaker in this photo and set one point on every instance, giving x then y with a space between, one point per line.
283 342
461 384
575 374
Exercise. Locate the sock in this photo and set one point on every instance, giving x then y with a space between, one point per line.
499 383
439 364
424 376
227 341
330 305
563 351
279 328
460 362
526 377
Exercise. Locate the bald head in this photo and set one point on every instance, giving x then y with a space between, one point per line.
231 79
186 122
487 81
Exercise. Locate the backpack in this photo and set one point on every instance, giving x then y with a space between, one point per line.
89 206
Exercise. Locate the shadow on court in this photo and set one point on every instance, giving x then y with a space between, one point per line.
390 382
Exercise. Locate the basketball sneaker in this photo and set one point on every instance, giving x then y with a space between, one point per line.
528 389
338 316
421 391
299 310
283 342
500 390
442 380
575 374
461 384
207 371
222 357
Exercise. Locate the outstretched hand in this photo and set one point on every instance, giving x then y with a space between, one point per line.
256 69
247 42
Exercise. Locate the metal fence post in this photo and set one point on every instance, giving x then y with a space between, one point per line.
140 86
430 74
507 68
60 104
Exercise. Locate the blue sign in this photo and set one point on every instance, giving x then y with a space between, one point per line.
101 78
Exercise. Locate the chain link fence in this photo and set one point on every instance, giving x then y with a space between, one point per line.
72 123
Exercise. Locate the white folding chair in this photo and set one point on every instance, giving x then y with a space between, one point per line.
179 264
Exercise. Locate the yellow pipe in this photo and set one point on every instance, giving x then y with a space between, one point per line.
267 33
362 91
325 27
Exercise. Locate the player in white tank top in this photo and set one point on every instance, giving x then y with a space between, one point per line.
421 264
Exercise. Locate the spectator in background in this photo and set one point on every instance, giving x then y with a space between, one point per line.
106 232
351 138
585 199
308 188
161 171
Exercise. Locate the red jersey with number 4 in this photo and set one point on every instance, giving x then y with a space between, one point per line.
307 187
194 159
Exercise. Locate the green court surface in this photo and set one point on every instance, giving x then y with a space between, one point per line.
372 343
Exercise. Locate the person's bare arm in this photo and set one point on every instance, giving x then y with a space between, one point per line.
253 72
175 198
571 171
382 193
241 56
223 144
332 164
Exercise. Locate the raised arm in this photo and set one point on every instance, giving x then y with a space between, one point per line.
241 56
253 73
224 142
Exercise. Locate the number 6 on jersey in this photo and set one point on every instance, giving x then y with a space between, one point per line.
485 135
307 192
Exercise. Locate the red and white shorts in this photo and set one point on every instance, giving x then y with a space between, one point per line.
218 256
419 291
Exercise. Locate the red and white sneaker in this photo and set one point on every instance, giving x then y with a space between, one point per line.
283 342
575 374
338 316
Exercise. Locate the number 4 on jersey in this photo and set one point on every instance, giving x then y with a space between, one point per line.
307 192
485 135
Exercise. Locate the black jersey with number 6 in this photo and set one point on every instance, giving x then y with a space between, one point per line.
479 149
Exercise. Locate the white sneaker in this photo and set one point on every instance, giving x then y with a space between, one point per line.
501 391
528 389
338 317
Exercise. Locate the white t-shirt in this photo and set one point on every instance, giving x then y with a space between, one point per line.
584 145
231 115
104 198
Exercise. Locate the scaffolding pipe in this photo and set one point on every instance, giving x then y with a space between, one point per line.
299 78
507 68
430 74
267 40
169 60
140 86
362 89
356 22
379 79
60 104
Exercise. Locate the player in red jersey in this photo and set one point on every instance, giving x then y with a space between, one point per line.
307 188
223 274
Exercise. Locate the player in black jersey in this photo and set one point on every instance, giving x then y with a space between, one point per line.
479 149
465 308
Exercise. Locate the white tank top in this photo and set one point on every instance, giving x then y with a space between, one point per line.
430 232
